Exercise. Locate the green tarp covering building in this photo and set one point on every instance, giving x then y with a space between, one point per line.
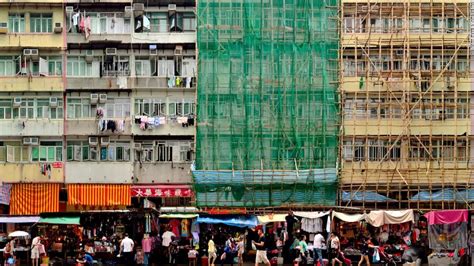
267 103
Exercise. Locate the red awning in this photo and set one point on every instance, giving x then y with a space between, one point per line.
162 191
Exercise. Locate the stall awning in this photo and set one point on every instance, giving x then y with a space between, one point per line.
99 194
19 219
350 218
60 220
162 191
237 221
379 218
447 216
5 190
311 215
33 199
271 218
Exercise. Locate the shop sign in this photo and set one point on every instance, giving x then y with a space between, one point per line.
161 192
57 165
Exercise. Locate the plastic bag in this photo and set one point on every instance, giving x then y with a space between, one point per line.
376 256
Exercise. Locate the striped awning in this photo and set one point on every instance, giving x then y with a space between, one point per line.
33 199
98 194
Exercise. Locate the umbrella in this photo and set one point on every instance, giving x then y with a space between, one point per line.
22 234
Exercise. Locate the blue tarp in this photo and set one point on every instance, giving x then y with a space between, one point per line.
367 196
237 221
265 188
446 195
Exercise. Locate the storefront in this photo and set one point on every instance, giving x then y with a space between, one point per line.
448 237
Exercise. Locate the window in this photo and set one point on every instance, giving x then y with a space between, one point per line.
150 107
142 68
9 65
165 151
78 67
115 151
117 108
189 21
13 151
16 23
116 66
55 65
158 22
31 108
41 23
79 108
377 150
49 151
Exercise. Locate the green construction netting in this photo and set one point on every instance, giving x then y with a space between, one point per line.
267 97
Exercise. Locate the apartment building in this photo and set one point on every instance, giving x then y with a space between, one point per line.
405 104
97 94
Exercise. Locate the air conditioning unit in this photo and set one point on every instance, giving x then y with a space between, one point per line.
53 102
93 141
102 98
69 9
137 146
89 56
138 9
178 50
104 141
58 28
128 11
31 54
94 98
16 102
3 27
111 51
31 141
172 7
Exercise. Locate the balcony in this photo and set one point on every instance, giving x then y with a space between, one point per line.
31 172
78 38
31 127
34 40
164 37
85 127
162 173
99 172
35 83
395 127
169 129
117 83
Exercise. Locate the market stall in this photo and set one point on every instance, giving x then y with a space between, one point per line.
10 224
221 227
448 236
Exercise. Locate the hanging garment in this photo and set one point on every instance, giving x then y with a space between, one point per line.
137 120
162 120
151 121
87 27
171 82
146 23
81 23
188 82
191 120
111 126
182 120
100 125
312 225
179 81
